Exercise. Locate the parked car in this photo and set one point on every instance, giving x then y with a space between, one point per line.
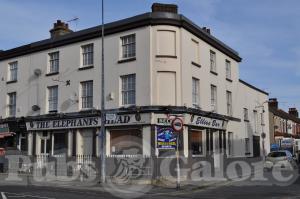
280 160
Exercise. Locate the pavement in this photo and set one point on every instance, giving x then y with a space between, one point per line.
251 185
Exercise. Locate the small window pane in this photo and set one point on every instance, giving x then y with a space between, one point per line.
128 89
88 55
128 46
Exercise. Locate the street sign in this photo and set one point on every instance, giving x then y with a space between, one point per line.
177 124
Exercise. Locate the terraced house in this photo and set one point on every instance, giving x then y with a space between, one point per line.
158 66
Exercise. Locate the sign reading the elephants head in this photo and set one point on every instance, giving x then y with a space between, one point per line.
208 122
64 123
166 138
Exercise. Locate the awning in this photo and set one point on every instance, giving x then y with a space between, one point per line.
7 134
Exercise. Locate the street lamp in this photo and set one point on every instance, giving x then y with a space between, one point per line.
103 133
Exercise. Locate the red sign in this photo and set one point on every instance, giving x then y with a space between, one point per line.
2 152
177 124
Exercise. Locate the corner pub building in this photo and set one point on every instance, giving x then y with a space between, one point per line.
158 66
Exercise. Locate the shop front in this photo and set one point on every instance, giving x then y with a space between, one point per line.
69 136
13 136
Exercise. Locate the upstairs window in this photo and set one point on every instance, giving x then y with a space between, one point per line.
213 93
128 46
228 69
195 92
246 116
128 89
87 55
13 71
52 98
213 65
12 102
229 103
54 62
87 94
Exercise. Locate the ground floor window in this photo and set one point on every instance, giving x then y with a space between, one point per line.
247 146
230 143
126 142
197 142
23 142
45 143
8 142
60 143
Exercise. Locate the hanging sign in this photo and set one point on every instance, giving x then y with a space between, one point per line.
166 138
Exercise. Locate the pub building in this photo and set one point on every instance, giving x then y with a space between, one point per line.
134 131
158 66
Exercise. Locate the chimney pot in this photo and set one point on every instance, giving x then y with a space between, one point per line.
273 103
160 7
293 112
59 28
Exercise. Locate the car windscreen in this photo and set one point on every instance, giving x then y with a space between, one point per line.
277 154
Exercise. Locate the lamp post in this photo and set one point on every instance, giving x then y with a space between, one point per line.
103 131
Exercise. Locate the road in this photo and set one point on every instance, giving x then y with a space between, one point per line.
245 189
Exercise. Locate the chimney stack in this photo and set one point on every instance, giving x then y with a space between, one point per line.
59 28
273 103
160 7
293 112
207 30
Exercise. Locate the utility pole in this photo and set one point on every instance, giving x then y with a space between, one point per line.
103 131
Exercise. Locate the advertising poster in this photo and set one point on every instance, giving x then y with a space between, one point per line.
166 138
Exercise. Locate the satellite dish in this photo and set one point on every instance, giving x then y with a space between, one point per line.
37 72
35 108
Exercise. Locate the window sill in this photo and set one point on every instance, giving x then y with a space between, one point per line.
230 80
12 81
213 72
247 153
166 56
51 112
198 156
53 73
126 60
196 64
86 67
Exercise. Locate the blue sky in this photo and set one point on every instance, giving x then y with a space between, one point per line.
264 32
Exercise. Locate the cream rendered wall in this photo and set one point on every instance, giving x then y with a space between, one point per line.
185 70
254 100
32 90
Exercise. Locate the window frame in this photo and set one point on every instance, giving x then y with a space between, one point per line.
87 98
195 92
213 61
125 100
13 71
52 99
246 114
128 48
53 62
12 107
87 57
214 97
203 140
229 103
228 69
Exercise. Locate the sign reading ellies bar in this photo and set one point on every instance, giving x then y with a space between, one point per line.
208 122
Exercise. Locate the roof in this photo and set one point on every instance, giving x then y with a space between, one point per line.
147 19
281 113
253 87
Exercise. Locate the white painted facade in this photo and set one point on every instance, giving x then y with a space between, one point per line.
164 72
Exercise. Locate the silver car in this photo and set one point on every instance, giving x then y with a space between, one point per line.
280 160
